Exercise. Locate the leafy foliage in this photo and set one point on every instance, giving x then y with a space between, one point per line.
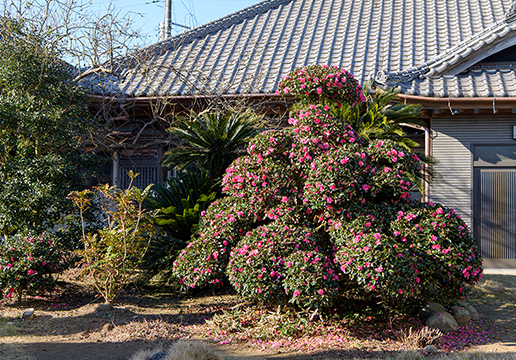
379 117
315 213
27 264
41 109
43 118
214 139
178 205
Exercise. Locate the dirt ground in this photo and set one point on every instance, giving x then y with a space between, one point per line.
70 328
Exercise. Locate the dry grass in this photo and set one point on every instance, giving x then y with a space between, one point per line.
414 340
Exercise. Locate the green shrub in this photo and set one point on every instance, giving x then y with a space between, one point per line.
27 264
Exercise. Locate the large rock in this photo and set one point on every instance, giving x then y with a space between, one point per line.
461 315
28 314
443 321
430 349
472 311
429 309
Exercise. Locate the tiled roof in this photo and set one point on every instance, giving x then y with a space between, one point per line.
406 43
474 83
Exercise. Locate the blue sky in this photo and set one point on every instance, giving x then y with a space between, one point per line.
149 13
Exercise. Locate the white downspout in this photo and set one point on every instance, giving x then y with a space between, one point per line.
427 154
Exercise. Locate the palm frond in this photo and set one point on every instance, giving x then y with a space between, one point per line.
214 139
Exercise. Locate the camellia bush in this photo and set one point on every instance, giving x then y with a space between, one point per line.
27 264
314 212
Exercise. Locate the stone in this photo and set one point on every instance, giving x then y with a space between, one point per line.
472 311
430 349
104 307
28 314
461 315
429 309
443 321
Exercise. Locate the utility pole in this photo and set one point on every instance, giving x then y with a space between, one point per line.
165 28
168 18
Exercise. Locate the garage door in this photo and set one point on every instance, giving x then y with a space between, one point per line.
494 205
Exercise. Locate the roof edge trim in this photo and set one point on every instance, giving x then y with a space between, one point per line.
458 58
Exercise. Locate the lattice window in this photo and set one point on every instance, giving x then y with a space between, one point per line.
148 175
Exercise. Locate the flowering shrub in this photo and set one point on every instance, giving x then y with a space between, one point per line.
27 264
419 251
204 260
281 262
319 84
313 211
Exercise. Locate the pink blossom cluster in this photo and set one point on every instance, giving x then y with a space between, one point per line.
318 83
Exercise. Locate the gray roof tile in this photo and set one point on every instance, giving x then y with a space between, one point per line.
407 43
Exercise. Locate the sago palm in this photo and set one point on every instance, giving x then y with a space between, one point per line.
213 139
379 117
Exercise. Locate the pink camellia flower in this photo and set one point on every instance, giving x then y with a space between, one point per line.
30 272
8 295
320 291
286 90
439 211
400 291
396 233
284 199
8 266
418 280
329 200
367 224
433 237
377 236
296 293
365 187
319 90
379 269
436 247
31 258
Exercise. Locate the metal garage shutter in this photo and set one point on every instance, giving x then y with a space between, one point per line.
496 216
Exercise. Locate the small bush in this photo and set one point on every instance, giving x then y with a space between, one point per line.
112 256
27 264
